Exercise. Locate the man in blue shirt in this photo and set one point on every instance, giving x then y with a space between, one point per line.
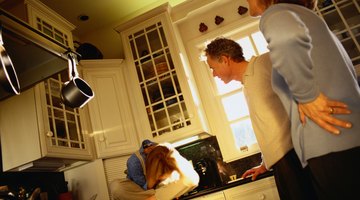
135 169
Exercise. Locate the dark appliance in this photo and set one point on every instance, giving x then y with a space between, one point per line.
204 154
208 173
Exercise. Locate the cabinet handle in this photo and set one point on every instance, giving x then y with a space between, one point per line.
261 196
49 134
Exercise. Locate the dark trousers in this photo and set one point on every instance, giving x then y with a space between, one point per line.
337 175
292 180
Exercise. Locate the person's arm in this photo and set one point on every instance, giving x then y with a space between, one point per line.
255 171
135 172
186 170
290 51
187 173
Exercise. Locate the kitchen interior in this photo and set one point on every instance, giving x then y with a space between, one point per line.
148 79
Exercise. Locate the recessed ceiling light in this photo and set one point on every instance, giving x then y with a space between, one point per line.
83 17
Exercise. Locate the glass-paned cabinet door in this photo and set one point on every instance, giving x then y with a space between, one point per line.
159 83
64 121
343 18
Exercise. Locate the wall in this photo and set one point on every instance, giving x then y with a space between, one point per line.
188 26
107 40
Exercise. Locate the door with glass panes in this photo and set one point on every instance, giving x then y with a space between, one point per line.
157 74
63 124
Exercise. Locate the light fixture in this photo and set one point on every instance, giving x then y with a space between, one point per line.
83 17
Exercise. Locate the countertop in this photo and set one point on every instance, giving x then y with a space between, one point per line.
226 186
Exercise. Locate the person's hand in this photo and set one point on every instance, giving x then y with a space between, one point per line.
322 111
255 171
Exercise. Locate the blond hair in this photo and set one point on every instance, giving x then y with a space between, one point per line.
159 165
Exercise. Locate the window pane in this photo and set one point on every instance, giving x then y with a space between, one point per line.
223 88
235 106
260 42
243 133
247 47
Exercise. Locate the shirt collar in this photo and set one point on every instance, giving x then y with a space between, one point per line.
249 69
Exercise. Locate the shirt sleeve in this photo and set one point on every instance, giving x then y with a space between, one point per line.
135 172
290 47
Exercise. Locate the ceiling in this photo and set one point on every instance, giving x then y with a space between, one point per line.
101 12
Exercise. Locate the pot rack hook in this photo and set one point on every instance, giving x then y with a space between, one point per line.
72 62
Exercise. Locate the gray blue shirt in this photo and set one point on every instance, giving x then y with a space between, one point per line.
308 59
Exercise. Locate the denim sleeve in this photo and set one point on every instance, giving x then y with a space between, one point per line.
135 171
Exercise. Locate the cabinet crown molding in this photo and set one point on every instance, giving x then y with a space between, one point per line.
50 14
143 17
102 62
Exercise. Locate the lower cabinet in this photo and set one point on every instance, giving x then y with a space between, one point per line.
212 196
111 118
258 190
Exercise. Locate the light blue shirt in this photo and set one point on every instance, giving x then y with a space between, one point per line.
308 59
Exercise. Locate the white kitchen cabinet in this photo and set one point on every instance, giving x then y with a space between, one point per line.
39 133
212 196
43 19
161 98
343 17
111 117
49 22
257 190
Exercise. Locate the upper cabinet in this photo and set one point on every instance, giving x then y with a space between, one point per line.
38 132
49 22
44 20
160 88
112 122
343 17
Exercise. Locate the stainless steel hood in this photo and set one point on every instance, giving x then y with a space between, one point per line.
35 56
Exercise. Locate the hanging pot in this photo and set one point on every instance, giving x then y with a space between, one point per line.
8 77
76 92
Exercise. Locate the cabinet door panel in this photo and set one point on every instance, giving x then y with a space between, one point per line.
162 96
63 129
213 196
110 114
258 190
19 130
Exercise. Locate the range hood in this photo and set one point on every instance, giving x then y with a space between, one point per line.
35 56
